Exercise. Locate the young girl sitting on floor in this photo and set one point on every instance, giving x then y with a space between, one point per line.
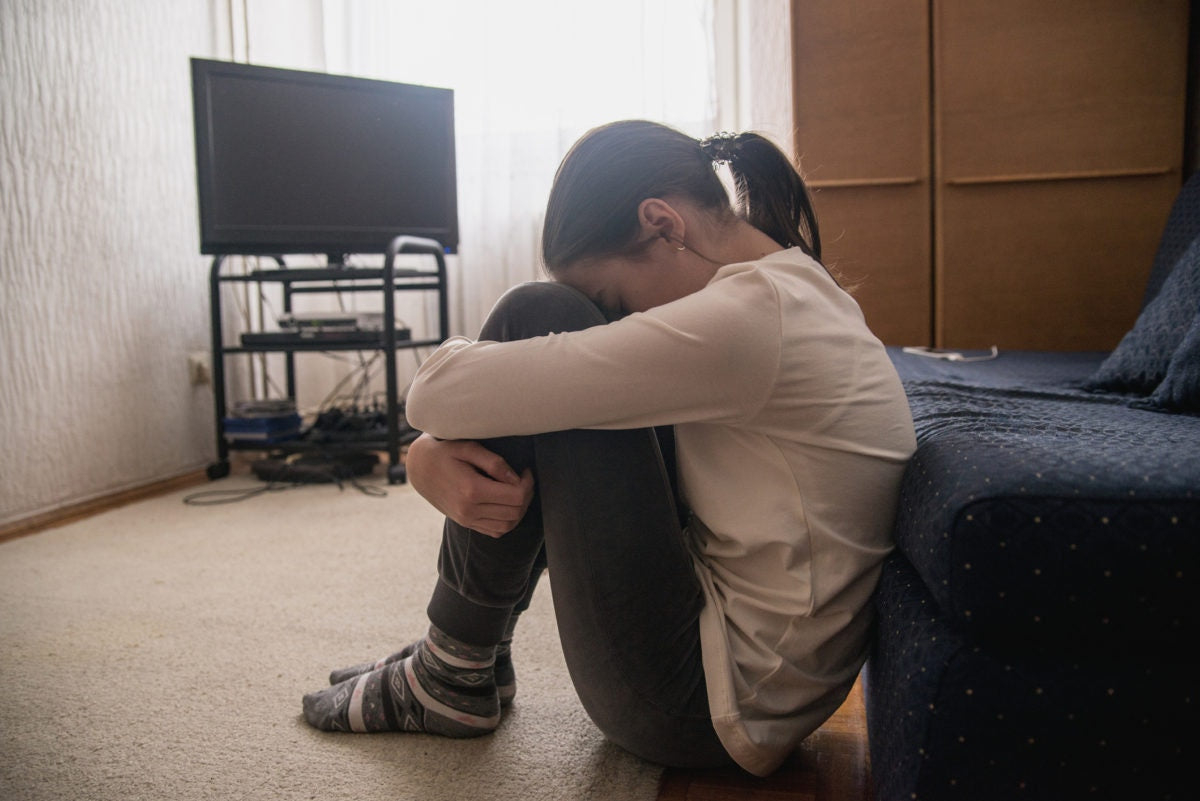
693 427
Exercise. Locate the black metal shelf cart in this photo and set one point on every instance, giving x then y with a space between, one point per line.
387 280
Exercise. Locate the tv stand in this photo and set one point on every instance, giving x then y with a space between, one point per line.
334 277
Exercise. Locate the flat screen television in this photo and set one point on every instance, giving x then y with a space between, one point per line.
289 161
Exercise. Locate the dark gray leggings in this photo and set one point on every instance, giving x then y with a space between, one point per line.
605 521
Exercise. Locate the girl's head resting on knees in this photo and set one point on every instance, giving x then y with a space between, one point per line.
638 215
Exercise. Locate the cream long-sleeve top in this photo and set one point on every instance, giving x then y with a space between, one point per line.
792 431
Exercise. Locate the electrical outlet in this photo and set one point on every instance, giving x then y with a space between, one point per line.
200 367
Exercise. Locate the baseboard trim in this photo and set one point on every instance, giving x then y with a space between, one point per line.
84 509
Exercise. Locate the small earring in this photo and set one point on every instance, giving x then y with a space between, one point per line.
681 247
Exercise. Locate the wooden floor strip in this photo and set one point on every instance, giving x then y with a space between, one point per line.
832 764
79 511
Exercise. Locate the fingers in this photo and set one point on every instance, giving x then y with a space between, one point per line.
477 489
494 521
497 519
486 461
526 484
490 507
470 484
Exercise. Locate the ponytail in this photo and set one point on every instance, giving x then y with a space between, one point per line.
770 194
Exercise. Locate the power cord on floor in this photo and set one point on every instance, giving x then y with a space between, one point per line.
298 471
220 496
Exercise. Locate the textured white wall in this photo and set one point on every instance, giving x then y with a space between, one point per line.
102 288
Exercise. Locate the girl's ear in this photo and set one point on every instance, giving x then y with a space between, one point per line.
659 219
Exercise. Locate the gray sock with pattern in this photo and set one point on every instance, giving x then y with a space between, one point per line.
506 675
441 686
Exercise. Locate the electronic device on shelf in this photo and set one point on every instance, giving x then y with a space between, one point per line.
311 337
264 422
312 328
289 161
331 321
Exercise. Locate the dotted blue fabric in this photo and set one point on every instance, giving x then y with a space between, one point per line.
950 719
1140 361
1014 494
1180 388
1037 616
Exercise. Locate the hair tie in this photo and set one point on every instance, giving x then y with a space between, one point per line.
720 147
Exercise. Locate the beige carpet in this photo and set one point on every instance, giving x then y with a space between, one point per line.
160 651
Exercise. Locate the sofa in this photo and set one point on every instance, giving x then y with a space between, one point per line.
1039 617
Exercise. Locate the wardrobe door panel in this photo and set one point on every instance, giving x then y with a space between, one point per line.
861 107
876 241
1054 266
1058 139
1028 87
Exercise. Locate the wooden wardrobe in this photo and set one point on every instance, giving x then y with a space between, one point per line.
992 173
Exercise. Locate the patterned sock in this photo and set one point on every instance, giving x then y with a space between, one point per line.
506 675
441 687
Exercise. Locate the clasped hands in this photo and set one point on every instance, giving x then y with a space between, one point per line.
469 484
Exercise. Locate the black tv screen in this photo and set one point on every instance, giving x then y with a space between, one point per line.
289 161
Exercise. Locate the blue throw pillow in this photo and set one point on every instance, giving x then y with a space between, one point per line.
1180 389
1183 225
1140 360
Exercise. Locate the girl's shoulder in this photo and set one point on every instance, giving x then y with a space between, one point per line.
785 272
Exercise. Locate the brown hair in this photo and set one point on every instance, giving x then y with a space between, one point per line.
592 210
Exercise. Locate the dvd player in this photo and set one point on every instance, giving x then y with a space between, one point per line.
320 336
339 320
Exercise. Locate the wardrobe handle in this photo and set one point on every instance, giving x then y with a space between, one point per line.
1082 175
851 183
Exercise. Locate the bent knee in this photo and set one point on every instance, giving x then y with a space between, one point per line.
536 308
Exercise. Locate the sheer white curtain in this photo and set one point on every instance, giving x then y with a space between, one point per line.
529 77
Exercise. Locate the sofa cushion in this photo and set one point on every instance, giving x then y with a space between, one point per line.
1183 226
1180 388
1140 360
1048 517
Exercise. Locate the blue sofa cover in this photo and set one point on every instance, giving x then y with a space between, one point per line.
1039 615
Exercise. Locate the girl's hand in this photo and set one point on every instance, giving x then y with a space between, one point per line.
469 484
